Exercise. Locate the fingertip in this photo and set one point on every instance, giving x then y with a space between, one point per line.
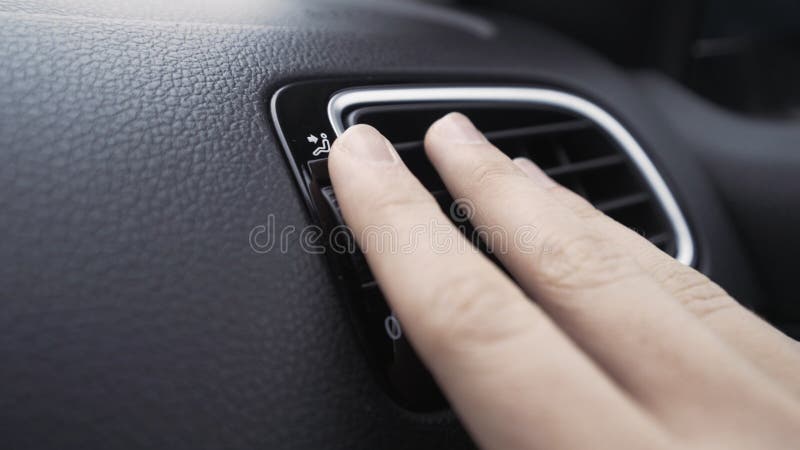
364 143
455 128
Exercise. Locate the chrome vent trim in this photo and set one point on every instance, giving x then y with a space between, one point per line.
363 96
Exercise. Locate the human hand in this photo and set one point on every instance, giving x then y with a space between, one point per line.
623 347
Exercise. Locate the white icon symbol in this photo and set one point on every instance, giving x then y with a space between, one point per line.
324 148
392 326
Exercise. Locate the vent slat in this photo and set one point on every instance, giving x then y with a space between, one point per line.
514 133
535 130
660 238
410 146
582 166
623 202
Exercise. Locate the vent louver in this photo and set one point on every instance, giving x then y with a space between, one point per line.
572 149
573 140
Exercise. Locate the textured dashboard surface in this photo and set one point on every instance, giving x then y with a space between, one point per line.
136 156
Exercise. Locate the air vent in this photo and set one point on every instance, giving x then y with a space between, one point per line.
572 150
574 141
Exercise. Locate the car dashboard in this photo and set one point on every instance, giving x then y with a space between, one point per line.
145 149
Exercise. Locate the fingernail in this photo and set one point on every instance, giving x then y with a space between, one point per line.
457 127
534 172
365 142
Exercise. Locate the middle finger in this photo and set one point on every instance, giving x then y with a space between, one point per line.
644 339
